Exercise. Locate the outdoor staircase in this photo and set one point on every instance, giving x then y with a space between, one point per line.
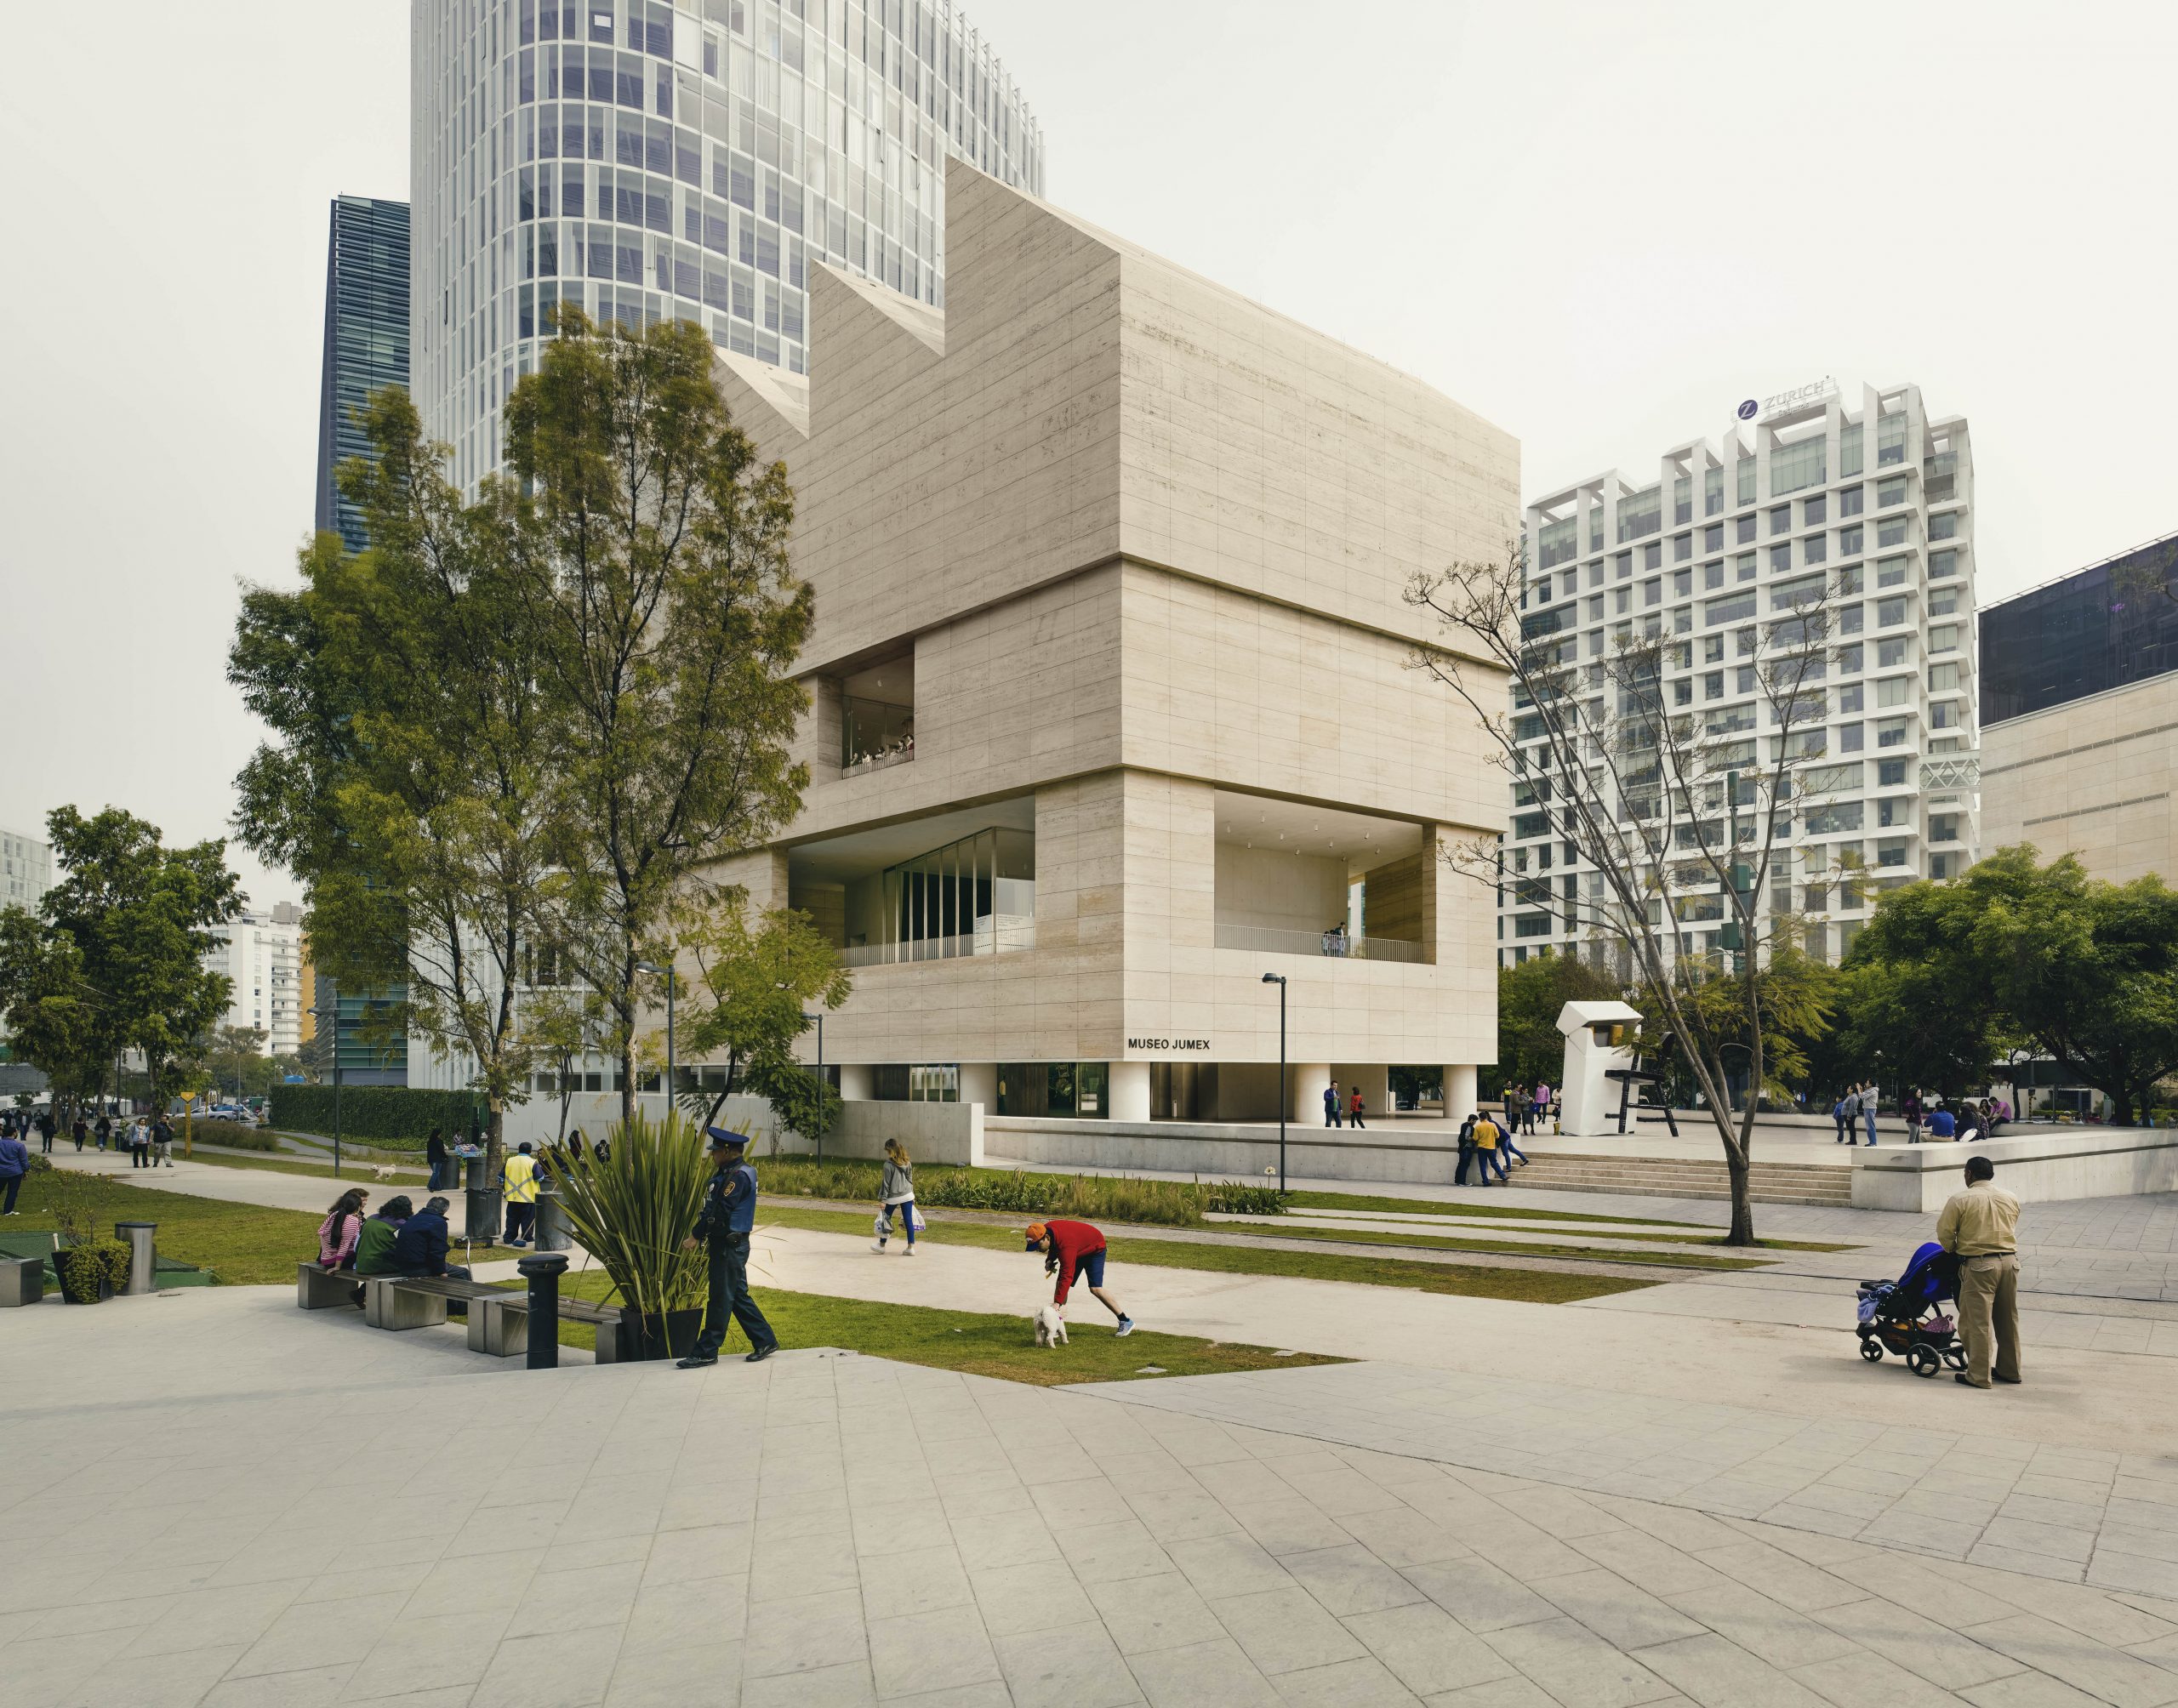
1684 1177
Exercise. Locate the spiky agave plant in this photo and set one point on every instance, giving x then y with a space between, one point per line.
631 1210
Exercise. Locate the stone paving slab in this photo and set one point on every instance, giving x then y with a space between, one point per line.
829 1529
2050 1510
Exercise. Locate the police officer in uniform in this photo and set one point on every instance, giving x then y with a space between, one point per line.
728 1217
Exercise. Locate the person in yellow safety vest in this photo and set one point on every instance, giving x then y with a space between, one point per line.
520 1182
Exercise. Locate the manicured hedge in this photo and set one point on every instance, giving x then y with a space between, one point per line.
393 1114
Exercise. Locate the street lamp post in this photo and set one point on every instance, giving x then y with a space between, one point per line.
819 1018
668 973
333 1013
1279 979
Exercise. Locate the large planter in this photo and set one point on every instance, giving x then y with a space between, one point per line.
658 1334
101 1289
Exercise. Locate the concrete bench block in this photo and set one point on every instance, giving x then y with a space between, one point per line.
387 1304
22 1281
499 1328
321 1289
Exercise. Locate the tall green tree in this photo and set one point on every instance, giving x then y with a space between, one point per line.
113 959
655 546
2087 970
760 972
1531 996
1915 1007
408 782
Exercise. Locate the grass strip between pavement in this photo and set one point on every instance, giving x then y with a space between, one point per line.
977 1342
1429 1206
1535 1286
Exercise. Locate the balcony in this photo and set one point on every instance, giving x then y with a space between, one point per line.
873 734
1337 945
994 935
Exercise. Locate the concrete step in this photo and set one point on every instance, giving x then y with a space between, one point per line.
1685 1177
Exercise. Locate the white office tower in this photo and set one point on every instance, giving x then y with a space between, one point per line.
650 160
25 870
262 953
1866 500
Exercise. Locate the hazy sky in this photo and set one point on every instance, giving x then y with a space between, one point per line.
1600 225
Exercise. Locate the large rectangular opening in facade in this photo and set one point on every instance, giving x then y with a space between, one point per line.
1295 878
950 885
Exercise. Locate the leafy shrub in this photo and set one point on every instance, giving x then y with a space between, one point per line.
397 1117
82 1267
40 1163
631 1208
233 1136
1167 1203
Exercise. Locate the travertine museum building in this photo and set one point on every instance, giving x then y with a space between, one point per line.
1113 711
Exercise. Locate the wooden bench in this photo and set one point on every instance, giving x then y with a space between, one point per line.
499 1325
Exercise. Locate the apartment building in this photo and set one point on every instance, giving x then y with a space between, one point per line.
1864 502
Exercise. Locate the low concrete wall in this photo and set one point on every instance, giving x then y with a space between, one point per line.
2041 1166
933 1132
1189 1147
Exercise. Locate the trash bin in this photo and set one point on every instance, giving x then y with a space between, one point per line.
552 1233
481 1205
137 1237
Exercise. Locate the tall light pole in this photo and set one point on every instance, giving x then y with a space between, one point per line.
668 973
819 1018
1279 979
333 1013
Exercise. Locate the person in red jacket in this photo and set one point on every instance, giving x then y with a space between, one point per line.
1072 1249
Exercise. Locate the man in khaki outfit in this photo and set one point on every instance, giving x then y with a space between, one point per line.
1980 1227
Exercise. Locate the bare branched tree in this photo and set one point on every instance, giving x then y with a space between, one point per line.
1684 812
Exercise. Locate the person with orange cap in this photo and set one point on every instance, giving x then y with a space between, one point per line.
1072 1249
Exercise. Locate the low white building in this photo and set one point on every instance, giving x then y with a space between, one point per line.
262 953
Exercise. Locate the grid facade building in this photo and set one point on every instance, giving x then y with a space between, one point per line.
262 954
1866 504
25 870
646 159
366 339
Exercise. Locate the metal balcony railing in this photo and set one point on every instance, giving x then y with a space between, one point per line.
1002 934
1337 945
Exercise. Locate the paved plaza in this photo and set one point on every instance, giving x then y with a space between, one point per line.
1694 1492
220 1500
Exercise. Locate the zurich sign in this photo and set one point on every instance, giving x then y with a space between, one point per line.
1749 410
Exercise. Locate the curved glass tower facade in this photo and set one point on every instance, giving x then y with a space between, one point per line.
648 159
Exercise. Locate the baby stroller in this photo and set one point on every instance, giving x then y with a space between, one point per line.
1900 1316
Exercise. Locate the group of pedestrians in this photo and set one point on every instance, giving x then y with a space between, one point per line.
396 1239
1484 1145
1971 1120
1351 1105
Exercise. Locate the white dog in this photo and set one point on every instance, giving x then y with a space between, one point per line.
1051 1327
383 1172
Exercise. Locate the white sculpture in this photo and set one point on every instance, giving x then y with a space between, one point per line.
1599 1037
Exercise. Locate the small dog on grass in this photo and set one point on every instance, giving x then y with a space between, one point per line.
383 1172
1051 1327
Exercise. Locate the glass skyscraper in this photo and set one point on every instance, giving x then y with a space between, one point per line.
648 160
366 338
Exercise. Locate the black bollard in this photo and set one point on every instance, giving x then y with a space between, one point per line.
542 1272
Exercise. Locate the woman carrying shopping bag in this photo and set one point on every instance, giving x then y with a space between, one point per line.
896 1190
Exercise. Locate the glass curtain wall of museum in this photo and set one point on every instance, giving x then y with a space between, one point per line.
974 896
2111 623
645 160
366 340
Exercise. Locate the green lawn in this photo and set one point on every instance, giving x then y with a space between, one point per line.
354 1171
1539 1286
1453 1242
240 1245
980 1343
1348 1200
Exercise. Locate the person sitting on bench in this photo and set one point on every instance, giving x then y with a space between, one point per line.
420 1247
374 1244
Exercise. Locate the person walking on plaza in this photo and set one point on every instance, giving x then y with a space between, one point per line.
79 1131
1542 1102
15 1164
1841 1112
519 1179
1980 1227
1354 1110
104 1130
435 1154
1073 1249
1909 1107
161 1142
727 1218
139 1145
896 1190
45 1126
1870 1097
1330 1104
